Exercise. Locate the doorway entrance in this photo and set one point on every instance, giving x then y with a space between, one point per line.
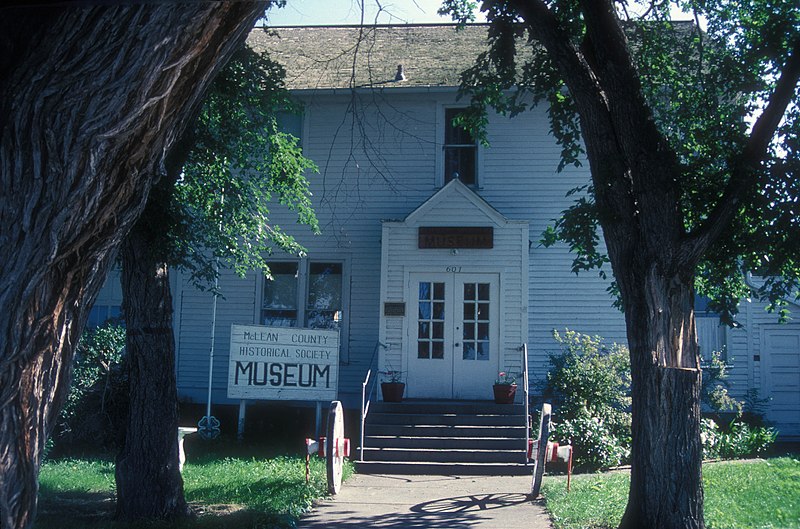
453 335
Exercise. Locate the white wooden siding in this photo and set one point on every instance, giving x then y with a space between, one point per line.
382 165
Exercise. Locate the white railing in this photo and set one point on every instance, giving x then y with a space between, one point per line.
526 394
366 396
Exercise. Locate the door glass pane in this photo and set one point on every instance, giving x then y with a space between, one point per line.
476 321
279 302
483 291
324 308
430 320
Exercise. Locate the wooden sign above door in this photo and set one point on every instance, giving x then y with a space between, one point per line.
456 237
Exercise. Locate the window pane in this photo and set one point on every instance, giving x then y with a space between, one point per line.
279 318
424 291
469 351
469 331
280 292
469 291
483 291
279 302
483 350
455 135
438 350
424 310
469 311
459 162
324 309
438 311
423 350
483 311
483 331
438 330
424 330
325 286
438 291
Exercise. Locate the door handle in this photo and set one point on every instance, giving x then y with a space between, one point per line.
457 344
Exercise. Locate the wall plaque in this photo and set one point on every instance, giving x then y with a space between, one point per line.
456 237
391 308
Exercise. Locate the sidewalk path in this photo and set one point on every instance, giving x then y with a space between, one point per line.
430 502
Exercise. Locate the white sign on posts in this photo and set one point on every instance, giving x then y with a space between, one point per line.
283 363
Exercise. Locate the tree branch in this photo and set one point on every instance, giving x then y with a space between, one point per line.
745 172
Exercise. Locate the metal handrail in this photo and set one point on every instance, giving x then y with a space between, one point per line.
526 395
366 397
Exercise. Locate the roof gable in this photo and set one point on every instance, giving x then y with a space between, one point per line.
456 195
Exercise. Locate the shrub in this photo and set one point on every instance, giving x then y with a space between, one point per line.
714 390
590 384
738 440
96 407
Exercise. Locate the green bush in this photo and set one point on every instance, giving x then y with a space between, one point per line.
589 383
738 440
714 393
95 411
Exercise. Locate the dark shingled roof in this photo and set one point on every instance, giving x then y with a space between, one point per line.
321 57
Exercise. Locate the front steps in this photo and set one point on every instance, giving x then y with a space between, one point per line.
444 437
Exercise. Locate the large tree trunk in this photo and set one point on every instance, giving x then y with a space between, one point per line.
149 483
666 479
90 99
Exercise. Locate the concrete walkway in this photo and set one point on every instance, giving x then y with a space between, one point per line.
430 502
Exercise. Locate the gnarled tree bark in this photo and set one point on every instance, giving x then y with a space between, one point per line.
90 100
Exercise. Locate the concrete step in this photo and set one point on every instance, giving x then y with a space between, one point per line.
480 443
445 419
455 407
448 469
423 430
443 455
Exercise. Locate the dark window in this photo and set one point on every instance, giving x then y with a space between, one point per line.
460 150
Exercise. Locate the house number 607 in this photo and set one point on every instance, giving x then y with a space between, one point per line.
455 269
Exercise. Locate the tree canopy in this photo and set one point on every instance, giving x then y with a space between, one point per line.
228 170
722 100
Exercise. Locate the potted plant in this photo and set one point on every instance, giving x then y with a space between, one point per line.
392 387
505 387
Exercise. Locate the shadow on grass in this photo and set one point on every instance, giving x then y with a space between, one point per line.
76 510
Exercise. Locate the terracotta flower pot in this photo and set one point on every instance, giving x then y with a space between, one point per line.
504 393
392 391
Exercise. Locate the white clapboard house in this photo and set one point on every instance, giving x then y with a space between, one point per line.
429 261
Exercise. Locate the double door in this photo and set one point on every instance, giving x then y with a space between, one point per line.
453 335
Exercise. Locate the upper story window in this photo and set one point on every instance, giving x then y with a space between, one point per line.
460 151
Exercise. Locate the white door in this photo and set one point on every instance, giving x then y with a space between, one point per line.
453 335
780 354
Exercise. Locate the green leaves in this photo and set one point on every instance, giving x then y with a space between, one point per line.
240 166
703 90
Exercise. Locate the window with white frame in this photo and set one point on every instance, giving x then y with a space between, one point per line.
460 151
305 293
711 332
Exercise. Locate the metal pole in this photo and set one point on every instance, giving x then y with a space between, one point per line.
319 419
213 329
240 428
363 412
526 395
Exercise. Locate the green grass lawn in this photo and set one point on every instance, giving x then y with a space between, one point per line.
225 492
744 494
